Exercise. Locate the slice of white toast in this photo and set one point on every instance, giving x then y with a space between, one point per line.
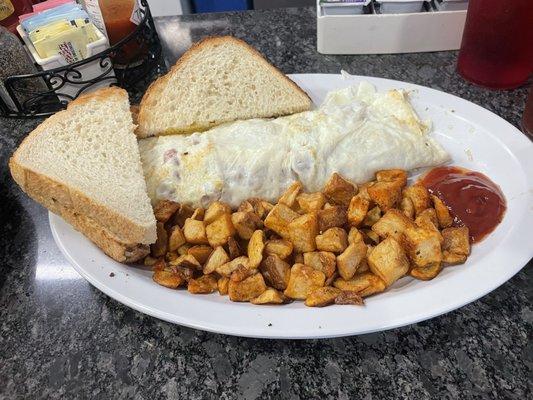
83 164
219 79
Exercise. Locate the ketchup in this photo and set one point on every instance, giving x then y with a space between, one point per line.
473 199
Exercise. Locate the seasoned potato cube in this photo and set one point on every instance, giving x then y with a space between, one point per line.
322 261
334 240
298 258
248 289
339 191
270 296
165 209
321 297
407 207
423 246
426 273
280 247
370 237
456 240
275 271
354 236
198 214
279 218
331 217
392 224
227 268
456 245
427 219
392 175
246 222
386 194
443 213
419 195
176 239
200 252
349 297
372 217
259 206
350 259
159 248
186 261
217 258
234 250
364 284
256 246
357 209
150 261
203 285
309 202
215 210
220 230
329 281
168 279
302 232
222 285
241 273
194 231
302 281
171 256
184 212
289 196
388 261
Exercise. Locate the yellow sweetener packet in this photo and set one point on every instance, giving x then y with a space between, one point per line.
6 9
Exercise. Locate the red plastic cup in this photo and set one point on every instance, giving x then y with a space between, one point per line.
497 47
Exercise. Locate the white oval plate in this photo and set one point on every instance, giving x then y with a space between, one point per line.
476 139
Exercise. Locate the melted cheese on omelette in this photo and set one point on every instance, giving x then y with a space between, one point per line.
355 132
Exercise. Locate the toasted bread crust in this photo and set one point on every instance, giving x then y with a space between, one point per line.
153 89
62 199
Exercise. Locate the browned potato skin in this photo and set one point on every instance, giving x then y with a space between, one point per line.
270 296
220 230
310 202
426 273
246 223
247 289
419 196
334 240
302 281
357 209
354 235
323 296
443 214
407 207
198 214
203 285
349 297
302 232
385 194
456 245
241 273
372 217
181 215
392 224
234 250
422 246
256 205
289 196
165 209
275 271
339 191
200 252
256 246
194 231
365 284
187 261
168 279
280 247
324 261
279 218
348 262
428 219
388 261
392 175
176 239
215 210
222 285
228 268
159 248
331 217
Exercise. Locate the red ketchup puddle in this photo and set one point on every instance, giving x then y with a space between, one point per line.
472 198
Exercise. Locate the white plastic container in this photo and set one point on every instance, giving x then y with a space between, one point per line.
88 71
400 6
451 5
389 33
354 7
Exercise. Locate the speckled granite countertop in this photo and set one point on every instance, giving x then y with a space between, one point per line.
63 339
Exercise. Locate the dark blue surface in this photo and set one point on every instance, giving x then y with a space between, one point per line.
205 6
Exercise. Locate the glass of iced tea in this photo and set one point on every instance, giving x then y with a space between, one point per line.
497 47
